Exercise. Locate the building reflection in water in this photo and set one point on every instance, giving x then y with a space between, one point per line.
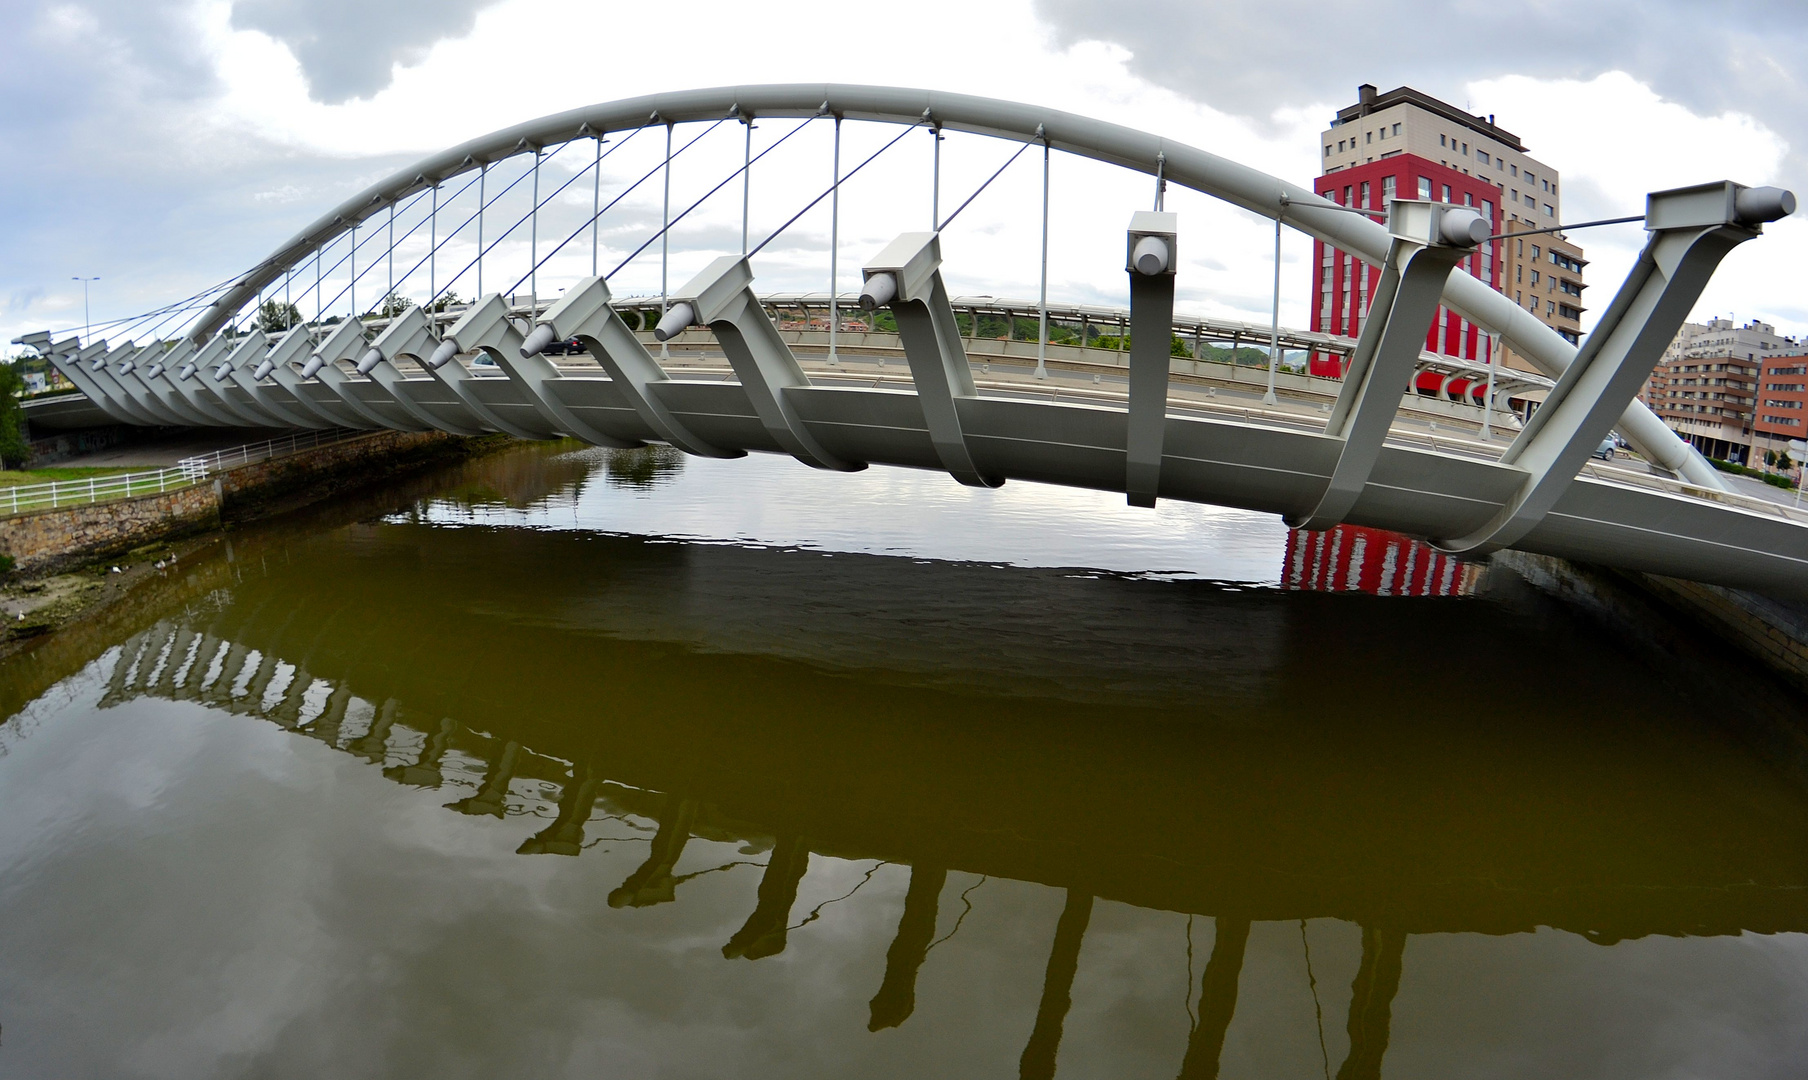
1350 558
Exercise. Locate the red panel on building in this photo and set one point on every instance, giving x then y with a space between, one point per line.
1342 284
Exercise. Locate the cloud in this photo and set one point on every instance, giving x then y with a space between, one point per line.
350 48
1251 57
168 145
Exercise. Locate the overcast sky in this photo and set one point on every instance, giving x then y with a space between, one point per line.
164 146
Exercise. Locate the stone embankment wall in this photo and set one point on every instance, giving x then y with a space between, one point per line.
1775 631
48 540
354 461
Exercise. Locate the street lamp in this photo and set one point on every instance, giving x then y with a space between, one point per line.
87 322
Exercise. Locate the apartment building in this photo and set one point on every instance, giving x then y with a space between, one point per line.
1407 141
1706 387
1781 413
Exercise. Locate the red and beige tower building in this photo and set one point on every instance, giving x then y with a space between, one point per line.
1409 145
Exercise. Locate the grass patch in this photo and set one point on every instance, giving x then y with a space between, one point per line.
20 477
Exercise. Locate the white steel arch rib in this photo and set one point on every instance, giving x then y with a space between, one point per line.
1188 166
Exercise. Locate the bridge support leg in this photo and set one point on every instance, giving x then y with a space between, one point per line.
763 934
409 336
897 996
907 277
1217 999
289 349
487 327
1691 230
1428 240
124 374
1150 259
1038 1060
721 297
492 793
242 367
652 882
565 836
196 375
443 366
346 342
72 361
584 313
1372 1003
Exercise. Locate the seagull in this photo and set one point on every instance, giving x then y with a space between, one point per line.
115 570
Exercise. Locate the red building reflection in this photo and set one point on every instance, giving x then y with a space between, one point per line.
1350 558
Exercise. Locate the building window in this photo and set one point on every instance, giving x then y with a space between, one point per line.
1368 136
1465 148
1396 129
1534 279
1327 149
1780 404
1424 187
1519 273
1340 146
1550 307
1482 156
1534 255
1548 212
1442 142
1531 200
1446 192
1488 212
1512 170
1387 188
1365 194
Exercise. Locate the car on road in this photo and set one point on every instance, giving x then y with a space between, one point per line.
1606 449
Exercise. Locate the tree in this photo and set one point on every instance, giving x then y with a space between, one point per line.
393 305
275 317
13 447
447 301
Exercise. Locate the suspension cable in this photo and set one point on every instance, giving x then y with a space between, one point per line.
983 186
353 253
849 175
725 182
594 165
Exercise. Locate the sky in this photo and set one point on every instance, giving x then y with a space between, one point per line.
166 145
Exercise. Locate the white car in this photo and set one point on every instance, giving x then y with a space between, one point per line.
1606 449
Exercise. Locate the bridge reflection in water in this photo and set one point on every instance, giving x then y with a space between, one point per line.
1233 755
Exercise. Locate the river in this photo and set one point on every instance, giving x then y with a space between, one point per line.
584 763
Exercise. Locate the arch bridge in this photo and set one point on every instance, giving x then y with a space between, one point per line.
720 374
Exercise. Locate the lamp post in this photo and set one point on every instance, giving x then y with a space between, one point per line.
87 322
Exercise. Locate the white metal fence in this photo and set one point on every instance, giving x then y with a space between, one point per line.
274 448
98 488
188 471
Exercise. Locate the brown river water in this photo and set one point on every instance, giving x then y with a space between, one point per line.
568 763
